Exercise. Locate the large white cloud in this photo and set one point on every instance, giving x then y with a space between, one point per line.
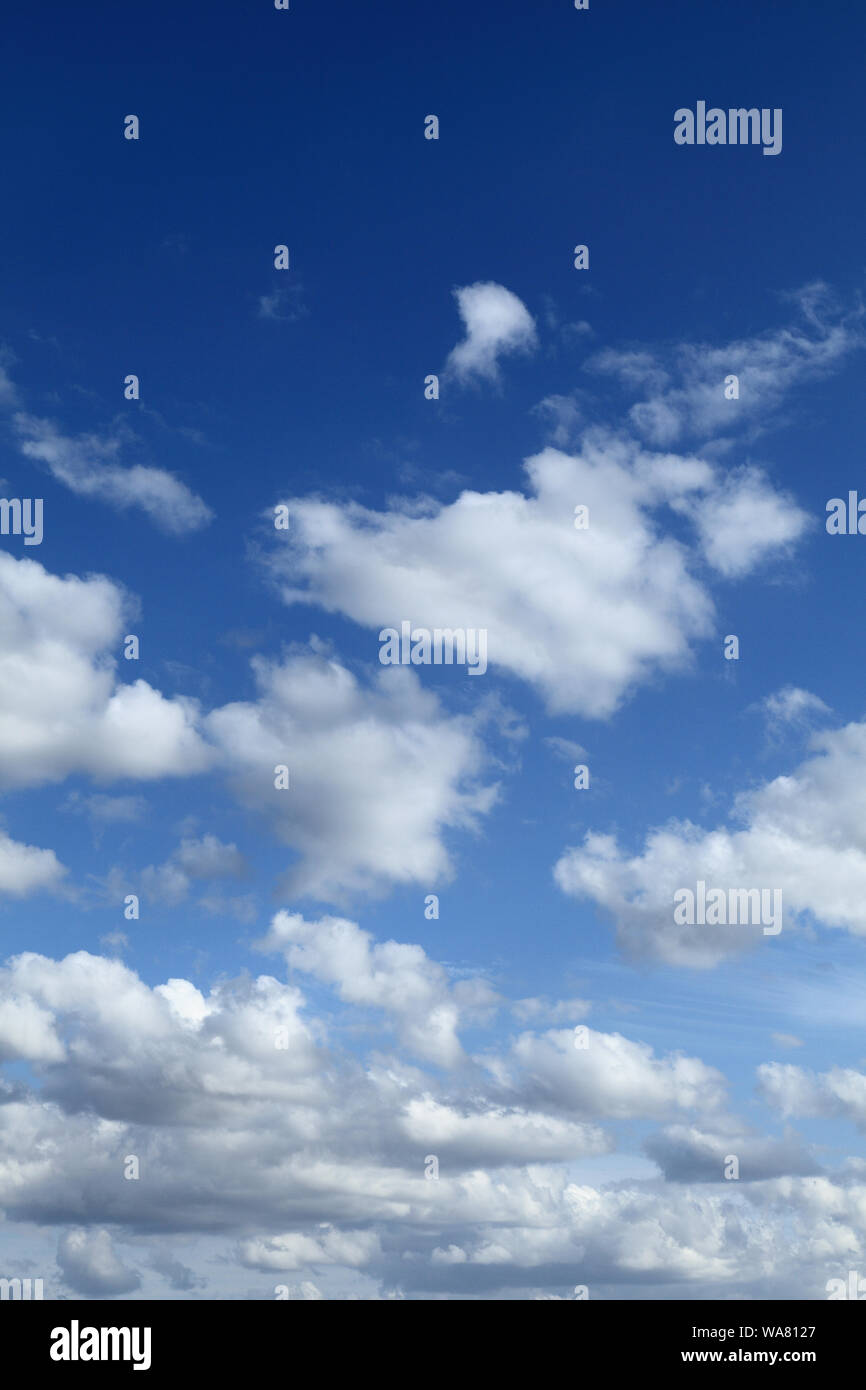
584 615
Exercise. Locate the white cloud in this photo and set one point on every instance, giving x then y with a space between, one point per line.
745 522
503 1134
311 1156
399 979
767 366
792 706
284 304
87 465
27 1031
297 1251
692 1153
496 322
584 615
62 708
24 869
794 1091
805 835
611 1077
377 773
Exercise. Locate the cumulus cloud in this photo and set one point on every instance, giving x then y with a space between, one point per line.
795 1091
265 1142
499 1134
378 772
298 1251
496 322
803 834
584 615
397 978
87 465
610 1076
687 1153
744 523
62 707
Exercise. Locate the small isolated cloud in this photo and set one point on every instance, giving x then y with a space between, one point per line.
565 748
496 323
283 304
116 941
205 858
792 706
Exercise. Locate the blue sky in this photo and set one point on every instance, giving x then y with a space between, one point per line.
306 387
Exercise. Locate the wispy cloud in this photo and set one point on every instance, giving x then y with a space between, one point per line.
87 464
